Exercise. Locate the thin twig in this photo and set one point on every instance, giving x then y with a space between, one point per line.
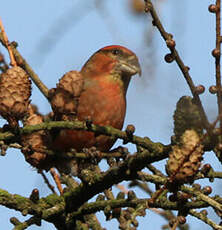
154 170
143 186
166 214
93 222
211 201
51 187
217 58
12 58
82 155
22 62
184 69
205 219
24 225
69 181
175 225
56 178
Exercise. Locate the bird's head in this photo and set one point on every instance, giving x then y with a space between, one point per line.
116 62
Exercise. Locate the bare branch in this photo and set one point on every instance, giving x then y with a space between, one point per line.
184 69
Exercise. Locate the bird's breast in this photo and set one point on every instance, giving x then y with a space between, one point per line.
103 102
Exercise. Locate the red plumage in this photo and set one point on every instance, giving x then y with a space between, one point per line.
100 95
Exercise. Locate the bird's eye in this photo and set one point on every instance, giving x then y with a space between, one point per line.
115 51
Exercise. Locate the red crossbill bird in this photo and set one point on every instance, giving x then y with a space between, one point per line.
98 93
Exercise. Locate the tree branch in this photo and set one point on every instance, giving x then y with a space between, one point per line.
125 171
184 69
24 225
104 130
205 219
217 54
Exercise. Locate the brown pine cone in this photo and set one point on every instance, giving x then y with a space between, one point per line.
35 144
15 90
184 161
64 98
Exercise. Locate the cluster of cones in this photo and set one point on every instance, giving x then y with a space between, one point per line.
15 92
185 159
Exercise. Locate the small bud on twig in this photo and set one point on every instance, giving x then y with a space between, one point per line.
130 129
206 168
3 149
204 212
107 212
135 223
170 36
146 9
181 219
187 68
120 195
15 221
34 197
199 89
207 190
25 212
215 53
14 44
131 195
169 58
170 43
213 89
212 8
182 196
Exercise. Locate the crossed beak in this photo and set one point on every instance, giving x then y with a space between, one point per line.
131 66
